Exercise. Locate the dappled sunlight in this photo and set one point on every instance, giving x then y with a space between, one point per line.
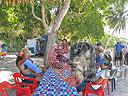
2 68
5 76
9 61
11 56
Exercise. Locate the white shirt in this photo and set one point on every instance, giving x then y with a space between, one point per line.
100 73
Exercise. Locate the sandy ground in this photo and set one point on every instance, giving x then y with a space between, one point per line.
122 87
7 68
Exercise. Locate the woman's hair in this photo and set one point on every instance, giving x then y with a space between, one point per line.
64 40
98 44
18 59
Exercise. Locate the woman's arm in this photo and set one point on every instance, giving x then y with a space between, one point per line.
26 54
22 69
22 60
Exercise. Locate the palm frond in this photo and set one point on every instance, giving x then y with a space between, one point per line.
117 16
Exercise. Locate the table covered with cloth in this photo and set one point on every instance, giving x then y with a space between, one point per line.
53 85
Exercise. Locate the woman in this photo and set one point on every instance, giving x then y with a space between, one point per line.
65 50
26 66
99 77
24 69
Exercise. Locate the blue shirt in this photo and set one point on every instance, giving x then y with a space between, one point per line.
118 47
98 58
28 63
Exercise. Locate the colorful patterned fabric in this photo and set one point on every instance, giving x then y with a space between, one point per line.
53 85
63 73
66 75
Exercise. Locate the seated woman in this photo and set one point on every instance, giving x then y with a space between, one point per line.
26 66
28 62
99 77
24 70
65 49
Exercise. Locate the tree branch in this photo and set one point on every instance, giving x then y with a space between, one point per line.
0 1
76 14
56 24
43 16
81 6
33 12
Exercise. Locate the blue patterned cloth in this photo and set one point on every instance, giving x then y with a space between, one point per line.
52 85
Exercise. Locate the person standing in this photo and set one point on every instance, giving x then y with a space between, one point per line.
118 47
99 51
118 53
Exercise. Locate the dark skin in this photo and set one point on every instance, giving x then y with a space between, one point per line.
26 54
20 66
26 71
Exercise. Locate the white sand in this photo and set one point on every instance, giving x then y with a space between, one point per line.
121 87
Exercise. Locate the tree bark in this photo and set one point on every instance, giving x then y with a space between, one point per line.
0 1
51 30
43 16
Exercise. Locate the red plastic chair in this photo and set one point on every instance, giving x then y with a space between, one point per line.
100 91
18 81
4 86
22 91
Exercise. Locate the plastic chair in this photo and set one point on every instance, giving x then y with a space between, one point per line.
22 91
4 86
99 92
19 78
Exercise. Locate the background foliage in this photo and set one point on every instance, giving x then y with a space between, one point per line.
83 22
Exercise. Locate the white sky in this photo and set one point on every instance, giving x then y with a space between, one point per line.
121 34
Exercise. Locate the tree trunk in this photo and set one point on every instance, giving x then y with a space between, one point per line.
52 29
52 32
50 43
